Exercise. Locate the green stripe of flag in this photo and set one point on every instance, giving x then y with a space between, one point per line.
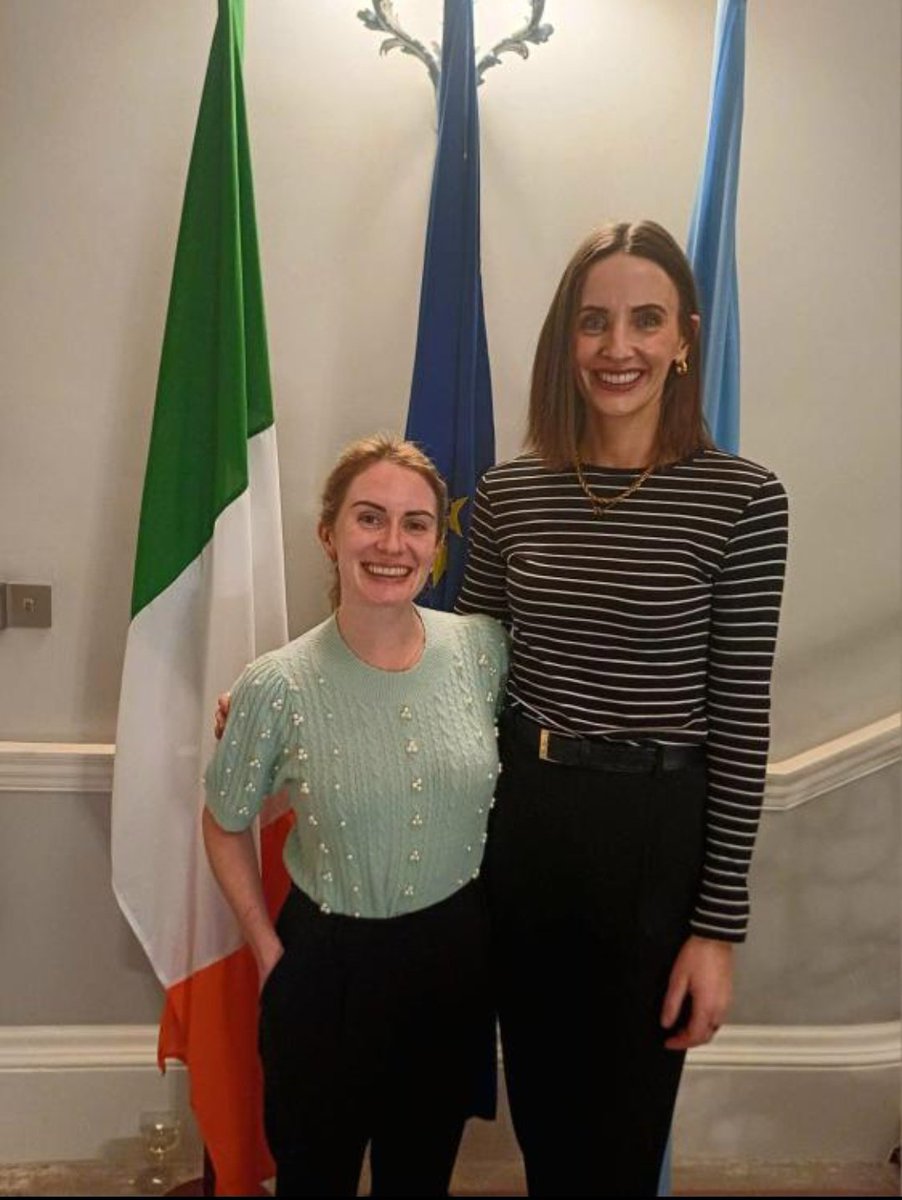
213 391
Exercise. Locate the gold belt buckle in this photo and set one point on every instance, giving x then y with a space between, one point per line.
544 735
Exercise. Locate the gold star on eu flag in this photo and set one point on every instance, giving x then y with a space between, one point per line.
441 559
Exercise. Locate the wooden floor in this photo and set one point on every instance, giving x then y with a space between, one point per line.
787 1179
753 1179
723 1179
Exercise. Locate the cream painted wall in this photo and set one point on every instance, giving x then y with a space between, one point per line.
98 100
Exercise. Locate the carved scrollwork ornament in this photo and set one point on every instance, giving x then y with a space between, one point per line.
382 18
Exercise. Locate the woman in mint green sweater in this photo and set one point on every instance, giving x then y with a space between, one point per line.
376 1021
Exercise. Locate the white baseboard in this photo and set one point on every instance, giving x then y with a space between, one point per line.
792 1093
801 1047
77 1091
772 1094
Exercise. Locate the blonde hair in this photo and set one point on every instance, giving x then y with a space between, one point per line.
557 411
363 453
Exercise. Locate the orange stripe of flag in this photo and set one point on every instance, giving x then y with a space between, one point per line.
209 1023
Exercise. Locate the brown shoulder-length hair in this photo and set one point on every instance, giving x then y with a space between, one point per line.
365 452
556 408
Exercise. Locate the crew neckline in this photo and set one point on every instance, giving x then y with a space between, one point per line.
678 462
350 657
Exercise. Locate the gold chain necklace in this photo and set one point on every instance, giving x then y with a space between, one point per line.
601 504
411 659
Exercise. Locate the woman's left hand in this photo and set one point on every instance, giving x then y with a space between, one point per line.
703 973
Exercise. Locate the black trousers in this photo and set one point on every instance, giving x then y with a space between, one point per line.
591 877
379 1032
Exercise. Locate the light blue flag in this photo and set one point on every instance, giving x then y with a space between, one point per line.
712 232
712 252
450 410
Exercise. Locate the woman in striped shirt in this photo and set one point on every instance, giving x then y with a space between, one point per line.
639 570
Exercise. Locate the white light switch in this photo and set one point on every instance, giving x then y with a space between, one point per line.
25 605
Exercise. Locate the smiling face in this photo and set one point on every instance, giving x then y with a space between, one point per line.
384 537
627 339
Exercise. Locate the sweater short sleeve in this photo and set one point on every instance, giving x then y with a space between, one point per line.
244 767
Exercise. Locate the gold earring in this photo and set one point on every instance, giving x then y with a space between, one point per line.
681 366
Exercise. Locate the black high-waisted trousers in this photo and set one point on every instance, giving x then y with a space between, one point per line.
378 1031
591 877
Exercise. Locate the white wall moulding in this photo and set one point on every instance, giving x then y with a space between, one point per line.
774 1093
56 766
833 764
61 1047
88 767
809 1047
739 1047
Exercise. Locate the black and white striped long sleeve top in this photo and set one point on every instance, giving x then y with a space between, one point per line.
655 622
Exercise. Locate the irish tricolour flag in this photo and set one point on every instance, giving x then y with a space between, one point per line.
209 595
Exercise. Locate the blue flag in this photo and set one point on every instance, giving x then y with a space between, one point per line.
712 233
450 411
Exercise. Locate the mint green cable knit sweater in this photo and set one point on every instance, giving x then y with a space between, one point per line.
390 773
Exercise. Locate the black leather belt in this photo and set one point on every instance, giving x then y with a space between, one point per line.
600 755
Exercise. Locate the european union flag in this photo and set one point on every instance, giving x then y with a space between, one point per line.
712 234
450 411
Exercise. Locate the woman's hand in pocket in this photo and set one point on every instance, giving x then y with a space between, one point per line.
267 963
